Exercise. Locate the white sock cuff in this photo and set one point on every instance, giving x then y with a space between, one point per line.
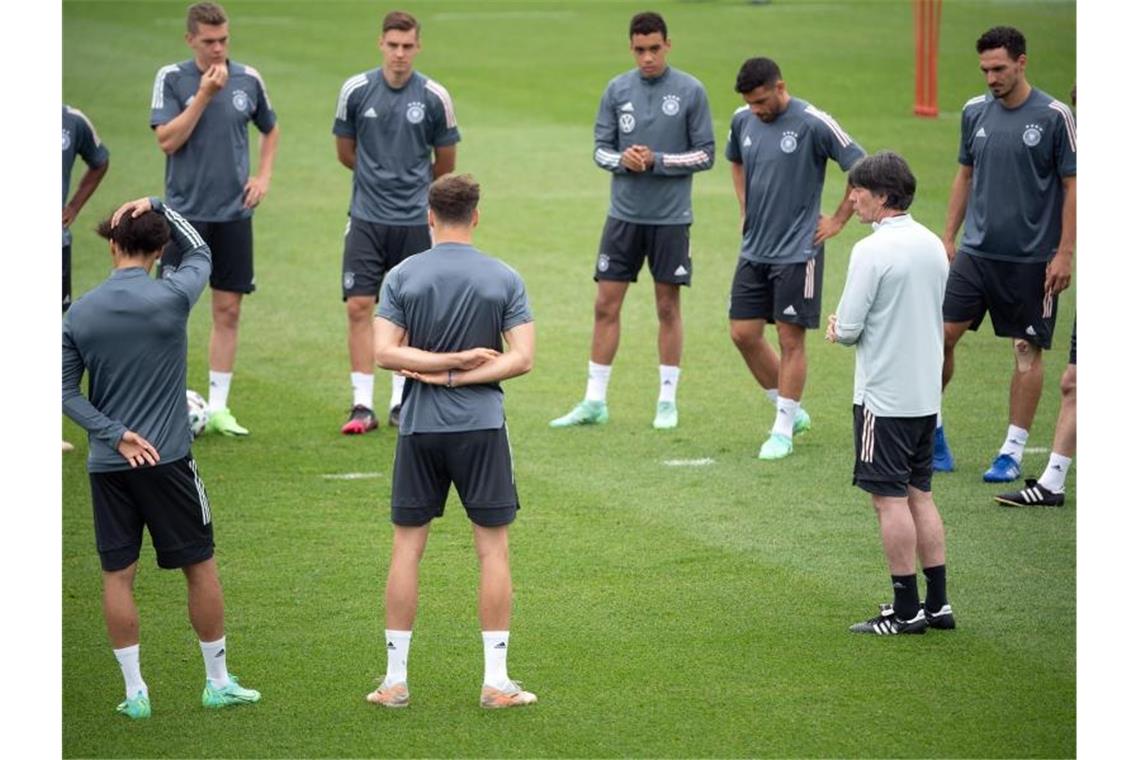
773 394
602 370
221 377
1018 434
496 635
401 635
126 651
213 644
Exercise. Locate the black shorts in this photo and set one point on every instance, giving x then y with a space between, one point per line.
625 246
371 249
66 277
892 453
478 462
169 499
1012 292
1073 344
778 292
231 248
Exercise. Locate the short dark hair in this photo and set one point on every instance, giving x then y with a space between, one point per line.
401 21
757 72
648 23
453 198
210 14
137 235
885 173
1003 37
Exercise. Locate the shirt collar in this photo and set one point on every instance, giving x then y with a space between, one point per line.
891 221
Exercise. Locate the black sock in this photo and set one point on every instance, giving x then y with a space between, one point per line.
906 595
935 587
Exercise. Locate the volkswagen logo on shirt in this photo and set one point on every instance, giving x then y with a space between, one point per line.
1032 135
66 139
788 142
670 105
415 112
626 123
241 100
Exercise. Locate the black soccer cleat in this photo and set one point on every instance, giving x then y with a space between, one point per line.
942 619
887 623
360 421
394 416
1033 495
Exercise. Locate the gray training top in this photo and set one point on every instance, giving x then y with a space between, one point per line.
79 139
670 115
785 163
129 334
451 298
205 178
1019 157
395 131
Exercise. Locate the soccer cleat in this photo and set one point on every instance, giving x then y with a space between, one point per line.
1033 495
887 623
231 694
394 416
666 415
360 421
802 423
136 707
776 447
943 459
395 695
512 696
942 619
1005 469
222 421
585 413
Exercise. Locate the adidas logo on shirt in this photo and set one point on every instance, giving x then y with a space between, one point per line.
627 106
981 132
747 141
680 271
790 311
370 113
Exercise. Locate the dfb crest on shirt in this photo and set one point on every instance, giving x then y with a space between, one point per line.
66 139
1032 135
241 100
671 105
415 112
789 143
603 262
626 122
349 280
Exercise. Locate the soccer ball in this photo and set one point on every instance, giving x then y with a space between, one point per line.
197 412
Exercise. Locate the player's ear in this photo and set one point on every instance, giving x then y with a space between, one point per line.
475 218
431 218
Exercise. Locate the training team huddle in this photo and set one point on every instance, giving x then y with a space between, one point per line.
452 323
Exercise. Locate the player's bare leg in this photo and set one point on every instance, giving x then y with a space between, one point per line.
897 530
119 609
204 600
793 360
603 348
1065 436
1024 393
226 311
670 338
401 597
759 356
493 550
361 359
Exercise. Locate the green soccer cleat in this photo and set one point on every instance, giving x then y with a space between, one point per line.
135 708
585 413
222 421
666 418
776 447
802 423
231 694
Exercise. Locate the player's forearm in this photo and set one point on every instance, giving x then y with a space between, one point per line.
845 208
78 408
502 367
268 153
444 161
397 357
173 134
956 208
346 153
609 159
738 184
697 160
91 179
1068 243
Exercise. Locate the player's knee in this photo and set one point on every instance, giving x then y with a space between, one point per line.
668 312
606 310
1069 383
742 335
359 309
1026 354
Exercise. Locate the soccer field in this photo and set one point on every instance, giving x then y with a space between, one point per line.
673 595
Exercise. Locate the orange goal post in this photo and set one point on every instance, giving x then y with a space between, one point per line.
927 18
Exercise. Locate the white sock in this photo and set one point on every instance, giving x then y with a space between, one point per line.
670 376
397 391
219 389
128 658
214 655
1014 444
938 419
1055 473
398 644
786 409
495 658
362 388
773 394
597 379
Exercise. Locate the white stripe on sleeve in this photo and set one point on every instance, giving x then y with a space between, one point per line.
157 97
832 124
350 86
1067 118
441 92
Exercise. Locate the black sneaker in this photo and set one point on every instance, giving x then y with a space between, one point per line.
1033 495
360 421
942 619
887 623
394 416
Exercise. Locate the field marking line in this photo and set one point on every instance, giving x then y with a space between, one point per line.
704 461
353 475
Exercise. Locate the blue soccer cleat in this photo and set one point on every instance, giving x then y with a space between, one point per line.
943 459
1004 469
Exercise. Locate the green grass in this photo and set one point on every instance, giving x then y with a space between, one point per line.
659 611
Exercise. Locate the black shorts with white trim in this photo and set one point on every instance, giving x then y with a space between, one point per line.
892 453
